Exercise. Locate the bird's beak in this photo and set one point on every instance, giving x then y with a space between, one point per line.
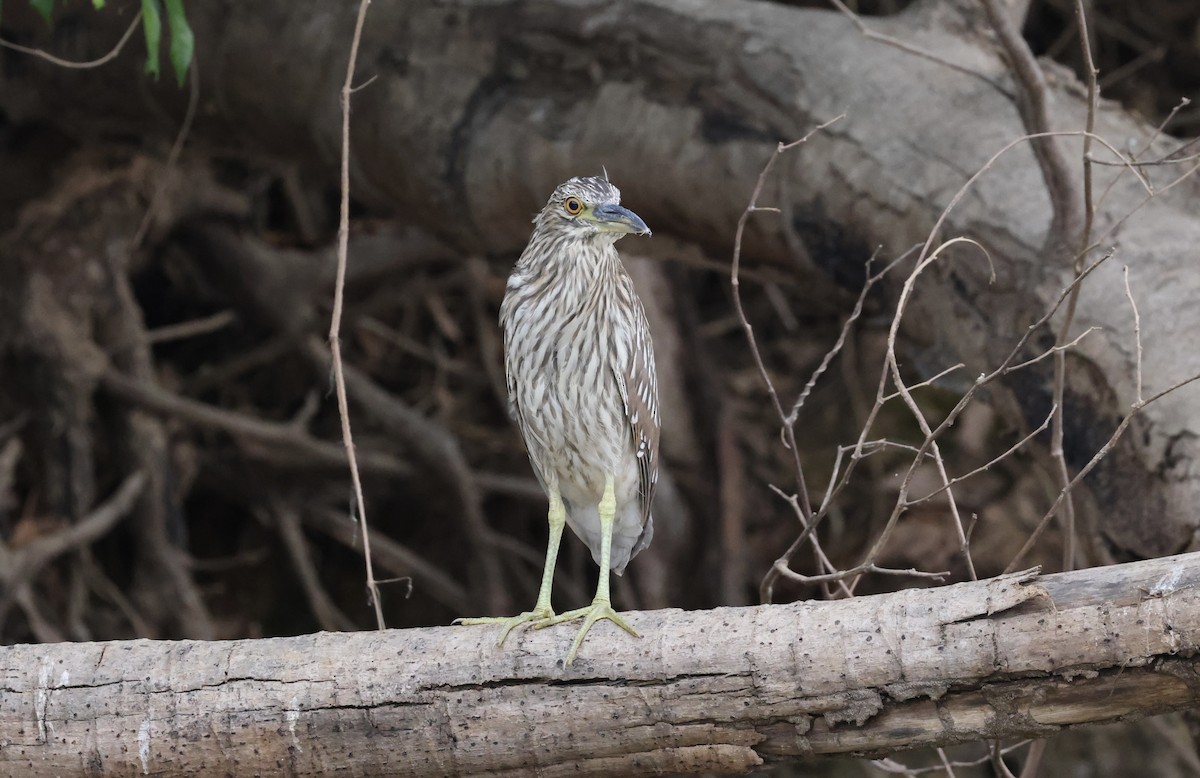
614 218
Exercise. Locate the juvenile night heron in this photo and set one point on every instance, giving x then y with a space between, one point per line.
582 387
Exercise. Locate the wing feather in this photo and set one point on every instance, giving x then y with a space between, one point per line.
638 382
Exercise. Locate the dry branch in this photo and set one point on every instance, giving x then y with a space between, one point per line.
719 690
18 567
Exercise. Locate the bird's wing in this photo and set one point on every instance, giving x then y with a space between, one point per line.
638 382
510 379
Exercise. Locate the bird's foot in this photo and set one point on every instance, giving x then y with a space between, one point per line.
536 615
599 609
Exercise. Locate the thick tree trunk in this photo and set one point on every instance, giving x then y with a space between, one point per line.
477 110
712 691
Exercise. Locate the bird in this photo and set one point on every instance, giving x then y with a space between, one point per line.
582 387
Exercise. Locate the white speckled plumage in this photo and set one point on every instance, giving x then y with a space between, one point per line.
580 367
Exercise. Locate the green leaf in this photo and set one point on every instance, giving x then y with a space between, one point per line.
152 25
44 7
183 42
97 4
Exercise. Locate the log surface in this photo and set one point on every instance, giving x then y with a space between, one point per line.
716 691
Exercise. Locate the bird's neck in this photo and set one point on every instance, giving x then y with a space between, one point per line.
570 262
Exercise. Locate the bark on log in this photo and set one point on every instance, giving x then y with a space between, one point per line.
715 691
478 109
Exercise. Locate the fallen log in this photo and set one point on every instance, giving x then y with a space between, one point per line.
723 690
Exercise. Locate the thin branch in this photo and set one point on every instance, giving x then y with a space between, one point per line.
998 761
191 328
1169 158
862 447
941 752
1006 366
64 63
735 283
282 437
1032 103
1060 358
1137 336
18 567
970 182
1008 452
807 528
394 557
933 379
950 418
909 48
1054 350
892 766
840 575
847 326
185 128
335 343
1033 760
930 444
1095 460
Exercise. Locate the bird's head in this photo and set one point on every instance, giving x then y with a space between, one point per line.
589 208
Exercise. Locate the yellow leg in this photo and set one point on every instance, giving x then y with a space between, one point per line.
601 607
557 517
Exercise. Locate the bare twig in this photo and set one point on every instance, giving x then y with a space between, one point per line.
1053 350
335 344
949 768
1007 453
1060 359
1137 336
1007 366
1095 460
803 505
64 63
185 128
922 262
285 438
18 567
807 528
970 182
1033 759
394 558
909 48
785 572
892 368
735 283
998 761
438 449
1169 158
190 329
1032 101
860 449
847 327
43 631
892 766
933 379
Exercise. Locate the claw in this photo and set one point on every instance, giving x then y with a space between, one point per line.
510 622
599 609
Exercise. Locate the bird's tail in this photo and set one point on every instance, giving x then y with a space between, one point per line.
629 536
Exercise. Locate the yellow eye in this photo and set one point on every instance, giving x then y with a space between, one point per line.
573 206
